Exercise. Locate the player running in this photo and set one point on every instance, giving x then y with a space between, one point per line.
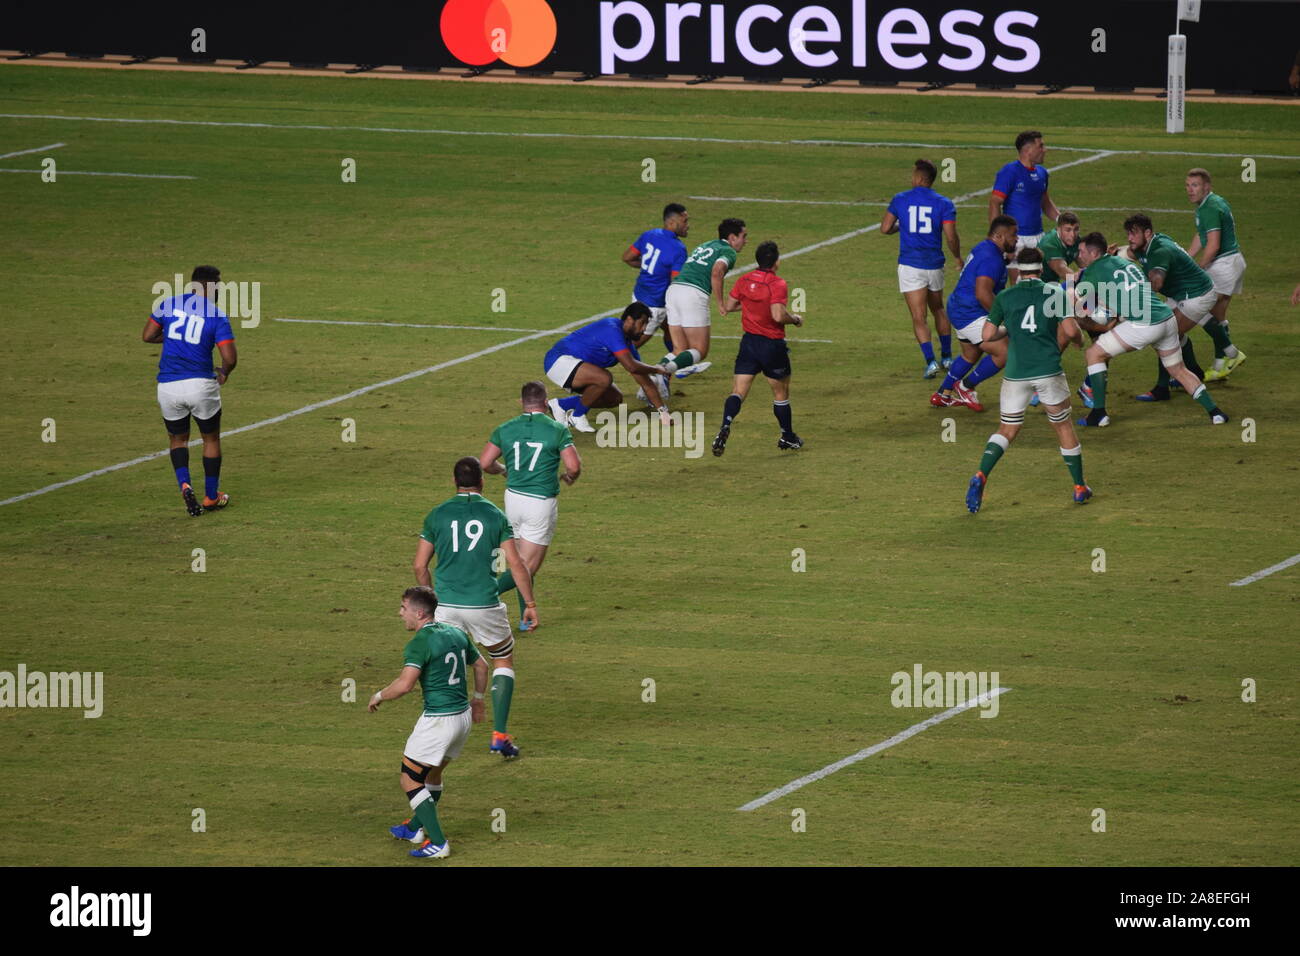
464 533
762 296
918 216
1030 315
438 657
982 277
580 362
1190 291
1121 287
528 450
1020 190
658 256
688 297
1216 251
189 326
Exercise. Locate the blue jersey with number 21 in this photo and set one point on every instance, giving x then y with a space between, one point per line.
192 327
921 213
662 254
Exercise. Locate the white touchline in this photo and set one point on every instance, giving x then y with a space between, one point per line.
475 328
614 136
457 361
80 172
38 149
829 769
1280 566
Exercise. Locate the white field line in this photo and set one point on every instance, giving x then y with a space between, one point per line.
38 149
610 136
1280 566
848 202
465 358
476 328
81 172
848 761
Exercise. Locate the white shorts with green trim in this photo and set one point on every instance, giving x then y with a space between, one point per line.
1226 272
488 626
438 738
532 518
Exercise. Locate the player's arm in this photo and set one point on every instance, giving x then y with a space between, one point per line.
489 460
1068 331
719 273
423 555
992 333
1049 207
732 305
783 316
1060 267
995 204
229 359
635 367
523 580
153 331
1157 279
954 243
481 673
984 292
400 687
632 257
1213 242
888 224
572 464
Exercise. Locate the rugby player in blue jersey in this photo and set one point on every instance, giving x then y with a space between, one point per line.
920 216
1020 191
581 361
658 255
189 326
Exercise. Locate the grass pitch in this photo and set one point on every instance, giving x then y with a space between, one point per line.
223 688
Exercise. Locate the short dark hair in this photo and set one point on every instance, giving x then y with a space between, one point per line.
637 310
1201 174
468 472
1067 219
926 169
421 598
1138 221
205 274
673 209
1002 222
1027 137
767 254
1096 242
533 393
730 227
1027 256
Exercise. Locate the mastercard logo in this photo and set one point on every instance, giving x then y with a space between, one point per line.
479 32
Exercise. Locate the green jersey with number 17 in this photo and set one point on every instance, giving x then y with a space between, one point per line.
464 531
697 271
530 449
1030 311
444 654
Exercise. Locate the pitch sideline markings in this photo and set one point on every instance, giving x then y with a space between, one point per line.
38 149
457 361
614 136
848 761
82 172
1280 566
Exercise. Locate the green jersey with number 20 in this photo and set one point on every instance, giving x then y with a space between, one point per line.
464 531
697 271
1121 286
444 654
530 449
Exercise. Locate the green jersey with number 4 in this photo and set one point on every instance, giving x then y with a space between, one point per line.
1030 311
444 653
1122 287
697 271
530 449
1215 213
1052 246
464 531
1184 279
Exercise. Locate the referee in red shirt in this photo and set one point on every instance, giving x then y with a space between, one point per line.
762 297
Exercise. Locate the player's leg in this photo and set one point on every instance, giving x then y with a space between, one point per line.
1226 273
593 387
916 295
533 520
492 632
422 785
781 409
941 324
698 338
747 366
993 360
175 407
1097 360
1014 400
1192 385
689 317
207 415
1187 318
970 355
1055 394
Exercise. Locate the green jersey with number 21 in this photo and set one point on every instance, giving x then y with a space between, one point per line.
444 654
464 531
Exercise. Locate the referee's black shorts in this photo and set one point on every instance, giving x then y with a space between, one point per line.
758 353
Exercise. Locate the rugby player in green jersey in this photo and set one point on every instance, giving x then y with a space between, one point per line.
1216 251
438 658
1034 318
465 533
1119 286
689 293
528 450
1061 249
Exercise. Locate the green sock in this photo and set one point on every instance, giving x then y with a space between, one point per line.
506 582
426 814
435 791
1097 381
503 688
992 452
1203 399
1219 333
1074 461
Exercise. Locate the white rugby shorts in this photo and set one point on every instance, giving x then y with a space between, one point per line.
200 397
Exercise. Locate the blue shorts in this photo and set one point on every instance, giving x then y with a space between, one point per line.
758 353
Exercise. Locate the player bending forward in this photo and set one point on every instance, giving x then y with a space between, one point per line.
1031 316
438 658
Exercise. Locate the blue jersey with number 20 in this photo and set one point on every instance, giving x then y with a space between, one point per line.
192 327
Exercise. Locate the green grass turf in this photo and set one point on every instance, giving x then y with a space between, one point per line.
223 688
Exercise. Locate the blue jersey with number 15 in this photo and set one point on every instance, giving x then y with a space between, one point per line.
192 327
662 256
921 213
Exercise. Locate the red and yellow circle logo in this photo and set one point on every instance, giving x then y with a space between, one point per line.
478 32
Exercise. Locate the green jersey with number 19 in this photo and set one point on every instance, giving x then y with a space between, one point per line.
464 531
1121 286
697 271
1030 316
530 450
444 653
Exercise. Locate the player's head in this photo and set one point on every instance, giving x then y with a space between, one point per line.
1067 227
418 606
205 277
924 173
1139 230
533 395
734 232
468 474
677 219
1198 184
1091 248
635 317
1029 264
768 255
1004 231
1029 145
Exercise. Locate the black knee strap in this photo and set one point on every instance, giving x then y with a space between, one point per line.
417 776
